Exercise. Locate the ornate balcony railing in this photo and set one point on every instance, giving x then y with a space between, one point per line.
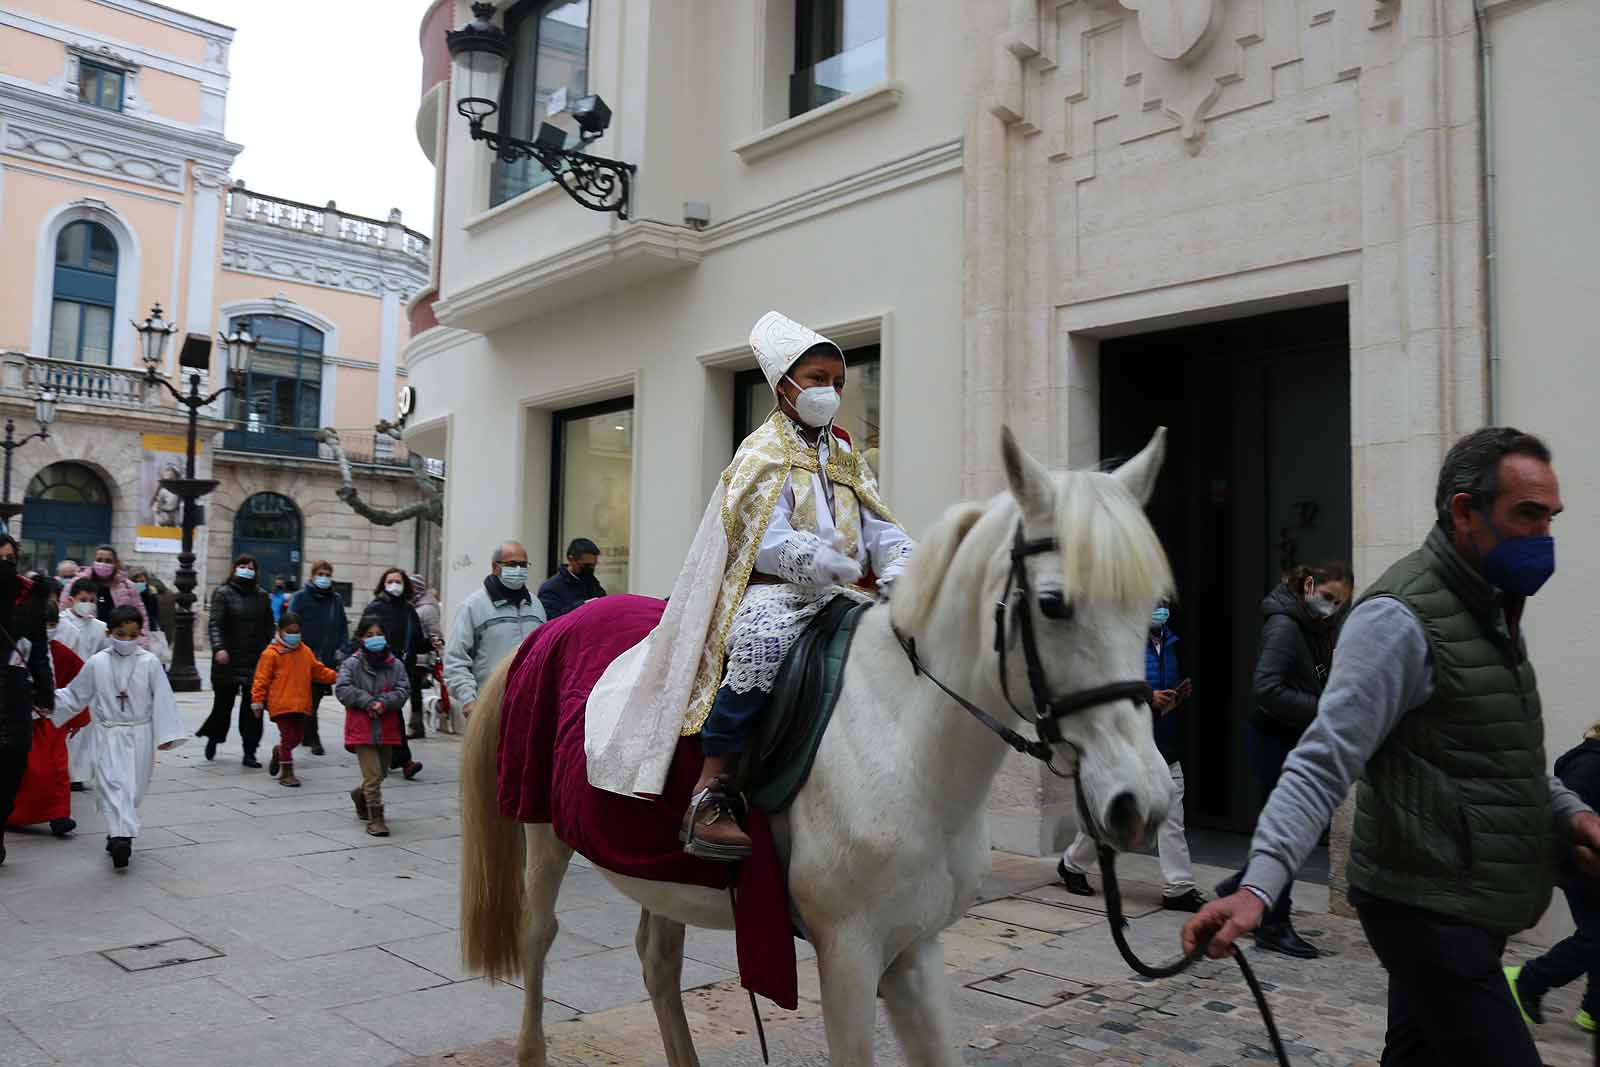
72 382
327 221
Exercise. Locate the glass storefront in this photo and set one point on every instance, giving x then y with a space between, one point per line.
858 406
592 487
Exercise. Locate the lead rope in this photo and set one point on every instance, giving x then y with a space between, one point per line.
1108 875
761 1032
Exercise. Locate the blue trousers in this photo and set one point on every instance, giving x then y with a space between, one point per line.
725 728
1577 955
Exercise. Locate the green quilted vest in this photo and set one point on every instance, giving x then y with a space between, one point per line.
1453 813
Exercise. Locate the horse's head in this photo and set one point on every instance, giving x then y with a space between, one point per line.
1082 571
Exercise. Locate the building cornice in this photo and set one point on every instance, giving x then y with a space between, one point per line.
170 16
313 259
77 136
212 73
429 343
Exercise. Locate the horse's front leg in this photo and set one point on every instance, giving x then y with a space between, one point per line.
660 945
850 962
917 997
547 866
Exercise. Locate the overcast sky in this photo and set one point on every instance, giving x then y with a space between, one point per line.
324 99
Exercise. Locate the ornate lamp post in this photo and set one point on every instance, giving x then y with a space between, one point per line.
196 357
482 51
44 412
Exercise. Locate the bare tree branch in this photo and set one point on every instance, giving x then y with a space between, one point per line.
430 507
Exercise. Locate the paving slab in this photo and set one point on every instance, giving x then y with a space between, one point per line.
447 1017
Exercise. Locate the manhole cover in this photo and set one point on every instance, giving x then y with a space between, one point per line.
156 954
1031 987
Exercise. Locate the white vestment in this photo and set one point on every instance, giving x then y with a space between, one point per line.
635 713
85 637
134 713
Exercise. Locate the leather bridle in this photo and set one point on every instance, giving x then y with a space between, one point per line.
1048 711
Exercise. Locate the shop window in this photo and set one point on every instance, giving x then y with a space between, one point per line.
550 54
100 86
840 47
592 487
858 407
85 294
279 403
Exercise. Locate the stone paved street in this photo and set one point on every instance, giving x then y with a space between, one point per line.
308 940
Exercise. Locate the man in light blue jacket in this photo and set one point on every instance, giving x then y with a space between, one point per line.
490 625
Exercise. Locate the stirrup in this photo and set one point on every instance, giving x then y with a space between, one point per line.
716 791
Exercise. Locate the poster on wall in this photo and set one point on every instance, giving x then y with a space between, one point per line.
160 510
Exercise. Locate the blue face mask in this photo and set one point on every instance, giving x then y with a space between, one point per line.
375 644
1160 616
292 640
245 574
322 581
1519 565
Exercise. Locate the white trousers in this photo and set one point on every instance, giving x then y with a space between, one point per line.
1177 870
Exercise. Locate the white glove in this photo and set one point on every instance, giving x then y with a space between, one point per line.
833 566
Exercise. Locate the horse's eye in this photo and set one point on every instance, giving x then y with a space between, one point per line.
1055 606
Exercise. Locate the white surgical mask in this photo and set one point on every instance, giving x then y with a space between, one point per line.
393 588
84 609
50 632
513 577
817 405
124 647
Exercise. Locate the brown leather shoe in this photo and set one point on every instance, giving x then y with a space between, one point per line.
287 776
375 825
709 829
360 799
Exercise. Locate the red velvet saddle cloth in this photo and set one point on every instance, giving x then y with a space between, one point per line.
544 779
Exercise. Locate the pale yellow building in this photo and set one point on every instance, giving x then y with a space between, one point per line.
115 197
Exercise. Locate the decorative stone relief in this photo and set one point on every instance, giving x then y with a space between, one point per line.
1176 30
210 179
304 266
55 148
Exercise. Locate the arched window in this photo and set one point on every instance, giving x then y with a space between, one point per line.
85 293
268 527
66 512
281 401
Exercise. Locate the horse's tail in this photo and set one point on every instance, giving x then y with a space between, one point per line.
491 847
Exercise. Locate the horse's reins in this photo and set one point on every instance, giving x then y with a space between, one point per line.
1046 723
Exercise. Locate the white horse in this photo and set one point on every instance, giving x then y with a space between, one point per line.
887 842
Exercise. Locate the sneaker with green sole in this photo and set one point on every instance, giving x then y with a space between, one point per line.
1584 1020
1530 1011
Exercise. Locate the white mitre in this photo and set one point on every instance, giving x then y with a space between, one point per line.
779 342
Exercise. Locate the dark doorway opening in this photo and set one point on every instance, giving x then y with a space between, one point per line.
1257 480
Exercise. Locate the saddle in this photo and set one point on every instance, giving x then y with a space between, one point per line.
783 740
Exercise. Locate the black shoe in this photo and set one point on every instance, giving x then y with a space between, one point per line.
250 760
211 748
416 733
63 827
121 849
273 765
1527 995
77 787
316 749
2 855
1190 901
1280 937
1076 883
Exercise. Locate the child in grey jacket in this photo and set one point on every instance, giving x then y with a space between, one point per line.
373 687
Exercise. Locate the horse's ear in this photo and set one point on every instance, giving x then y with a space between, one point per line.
1030 482
917 589
1139 474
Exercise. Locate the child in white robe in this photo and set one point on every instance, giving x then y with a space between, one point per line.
80 629
134 713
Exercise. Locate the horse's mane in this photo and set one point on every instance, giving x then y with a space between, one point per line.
1109 551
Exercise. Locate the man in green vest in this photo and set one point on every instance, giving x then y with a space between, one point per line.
1432 704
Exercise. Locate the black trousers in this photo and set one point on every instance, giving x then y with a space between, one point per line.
1449 1005
12 766
1578 955
313 735
225 690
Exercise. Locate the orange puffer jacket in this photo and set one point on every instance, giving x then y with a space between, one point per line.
284 676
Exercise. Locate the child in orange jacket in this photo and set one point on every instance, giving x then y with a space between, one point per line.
283 689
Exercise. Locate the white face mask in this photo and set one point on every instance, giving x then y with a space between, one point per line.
817 405
394 588
84 609
513 577
123 647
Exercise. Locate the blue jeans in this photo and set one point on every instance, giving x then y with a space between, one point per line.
725 728
1578 954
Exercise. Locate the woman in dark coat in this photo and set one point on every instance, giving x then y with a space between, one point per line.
23 687
241 627
1300 623
391 603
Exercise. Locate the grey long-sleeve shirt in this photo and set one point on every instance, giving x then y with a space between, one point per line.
1381 670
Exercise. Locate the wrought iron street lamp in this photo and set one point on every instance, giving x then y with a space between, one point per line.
239 343
482 51
44 412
